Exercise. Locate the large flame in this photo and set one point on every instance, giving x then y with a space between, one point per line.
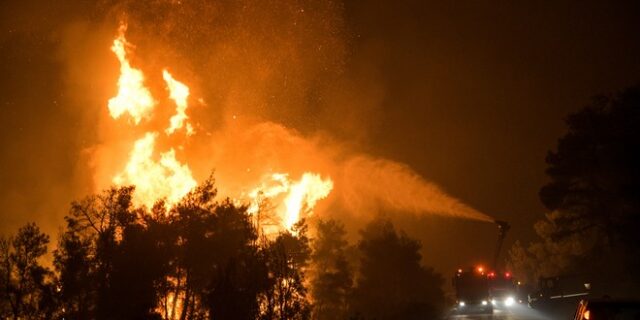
304 194
155 178
179 93
160 175
133 97
166 178
295 197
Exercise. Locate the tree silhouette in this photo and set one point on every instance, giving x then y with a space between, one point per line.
595 181
287 257
332 280
197 259
72 262
238 273
203 259
593 196
138 264
392 284
160 226
27 290
216 268
6 284
106 257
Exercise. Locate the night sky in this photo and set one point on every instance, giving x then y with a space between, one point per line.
469 94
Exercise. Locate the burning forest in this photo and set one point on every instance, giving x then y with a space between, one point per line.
291 189
158 175
235 220
303 159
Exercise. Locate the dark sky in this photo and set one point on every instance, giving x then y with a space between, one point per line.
476 93
471 94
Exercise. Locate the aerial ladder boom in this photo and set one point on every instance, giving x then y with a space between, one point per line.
503 228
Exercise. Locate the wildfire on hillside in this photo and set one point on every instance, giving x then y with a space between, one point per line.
165 174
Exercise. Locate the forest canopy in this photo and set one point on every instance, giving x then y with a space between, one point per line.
205 258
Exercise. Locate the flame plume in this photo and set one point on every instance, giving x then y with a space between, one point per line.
179 93
246 154
167 178
305 193
295 196
154 179
160 175
133 97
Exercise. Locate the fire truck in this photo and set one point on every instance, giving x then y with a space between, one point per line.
472 291
478 290
502 289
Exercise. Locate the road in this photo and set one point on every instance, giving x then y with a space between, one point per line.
517 312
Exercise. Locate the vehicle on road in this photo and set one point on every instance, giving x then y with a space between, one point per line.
478 290
560 293
472 291
607 309
502 289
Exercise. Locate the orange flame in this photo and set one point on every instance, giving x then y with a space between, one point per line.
295 196
154 179
167 178
179 93
162 176
133 97
305 193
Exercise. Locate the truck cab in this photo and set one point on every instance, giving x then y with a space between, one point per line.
502 289
472 291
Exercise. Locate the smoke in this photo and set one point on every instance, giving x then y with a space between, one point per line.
274 89
243 153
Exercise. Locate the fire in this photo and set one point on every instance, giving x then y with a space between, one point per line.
296 196
179 93
305 193
160 175
163 178
133 97
167 178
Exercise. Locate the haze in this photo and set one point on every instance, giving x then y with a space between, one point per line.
468 96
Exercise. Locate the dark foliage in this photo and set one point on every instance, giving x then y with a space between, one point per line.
26 289
333 276
594 172
287 258
204 259
392 283
594 198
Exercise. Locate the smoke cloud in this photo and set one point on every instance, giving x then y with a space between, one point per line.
270 93
364 185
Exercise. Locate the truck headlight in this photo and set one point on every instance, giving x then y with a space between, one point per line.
484 302
509 301
461 303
